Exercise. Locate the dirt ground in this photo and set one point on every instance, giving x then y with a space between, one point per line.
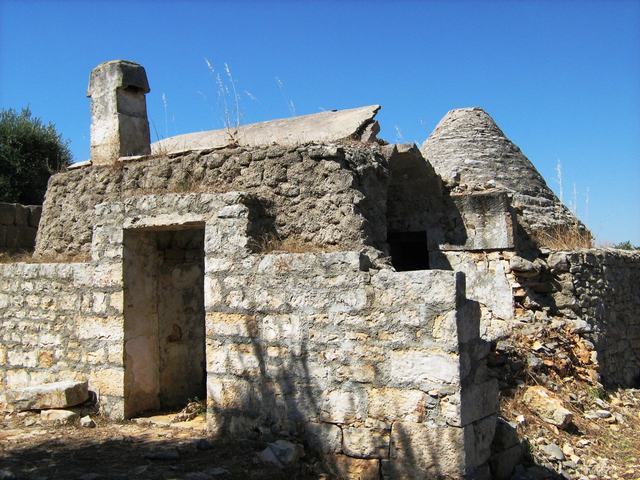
31 449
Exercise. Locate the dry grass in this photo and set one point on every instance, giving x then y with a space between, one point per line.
272 243
570 373
562 237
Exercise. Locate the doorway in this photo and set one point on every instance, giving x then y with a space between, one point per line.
164 332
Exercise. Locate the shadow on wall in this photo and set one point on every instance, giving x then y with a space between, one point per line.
418 200
283 401
274 399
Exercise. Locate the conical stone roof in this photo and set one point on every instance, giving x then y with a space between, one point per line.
470 152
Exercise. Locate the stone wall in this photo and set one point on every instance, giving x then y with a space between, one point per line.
602 288
316 345
313 344
59 321
326 195
18 226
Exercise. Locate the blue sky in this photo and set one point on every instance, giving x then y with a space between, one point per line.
562 79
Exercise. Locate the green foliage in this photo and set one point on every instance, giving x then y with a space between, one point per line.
626 246
30 152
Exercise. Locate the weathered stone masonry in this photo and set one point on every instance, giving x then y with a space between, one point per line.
18 226
316 344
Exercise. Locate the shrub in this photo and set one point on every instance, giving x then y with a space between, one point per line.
626 246
30 152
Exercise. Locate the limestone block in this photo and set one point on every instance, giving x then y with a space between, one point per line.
22 358
488 221
59 417
472 403
397 403
422 368
348 468
365 442
235 359
108 381
7 213
344 406
478 437
35 211
109 328
323 437
52 395
21 215
218 323
119 125
419 450
547 406
229 393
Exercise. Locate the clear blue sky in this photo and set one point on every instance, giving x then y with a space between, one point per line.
562 79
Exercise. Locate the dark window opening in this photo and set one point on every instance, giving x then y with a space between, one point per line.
409 250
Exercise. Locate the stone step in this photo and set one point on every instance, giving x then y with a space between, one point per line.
49 395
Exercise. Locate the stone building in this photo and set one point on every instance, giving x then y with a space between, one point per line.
302 276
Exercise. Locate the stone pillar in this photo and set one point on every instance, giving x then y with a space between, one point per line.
119 125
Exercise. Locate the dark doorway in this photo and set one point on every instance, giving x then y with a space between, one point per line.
408 250
163 319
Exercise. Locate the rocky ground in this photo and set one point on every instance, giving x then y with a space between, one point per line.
34 448
564 423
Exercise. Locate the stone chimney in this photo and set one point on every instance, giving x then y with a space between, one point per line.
119 125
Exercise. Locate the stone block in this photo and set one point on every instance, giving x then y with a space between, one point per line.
420 450
348 468
58 417
422 368
231 324
52 395
547 406
487 219
108 381
21 216
323 437
344 406
365 442
7 213
230 394
11 236
477 438
397 403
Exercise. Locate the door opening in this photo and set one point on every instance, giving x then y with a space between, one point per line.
164 333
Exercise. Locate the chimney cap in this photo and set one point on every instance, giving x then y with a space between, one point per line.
116 74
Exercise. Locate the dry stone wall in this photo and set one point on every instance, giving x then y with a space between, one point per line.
18 226
602 288
327 195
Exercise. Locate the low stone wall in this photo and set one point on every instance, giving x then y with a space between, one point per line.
379 370
603 288
58 324
18 226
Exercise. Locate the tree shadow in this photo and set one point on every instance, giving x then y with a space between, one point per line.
113 457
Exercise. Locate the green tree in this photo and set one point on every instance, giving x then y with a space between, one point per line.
30 152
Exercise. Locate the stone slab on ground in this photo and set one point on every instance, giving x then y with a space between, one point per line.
48 395
60 417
